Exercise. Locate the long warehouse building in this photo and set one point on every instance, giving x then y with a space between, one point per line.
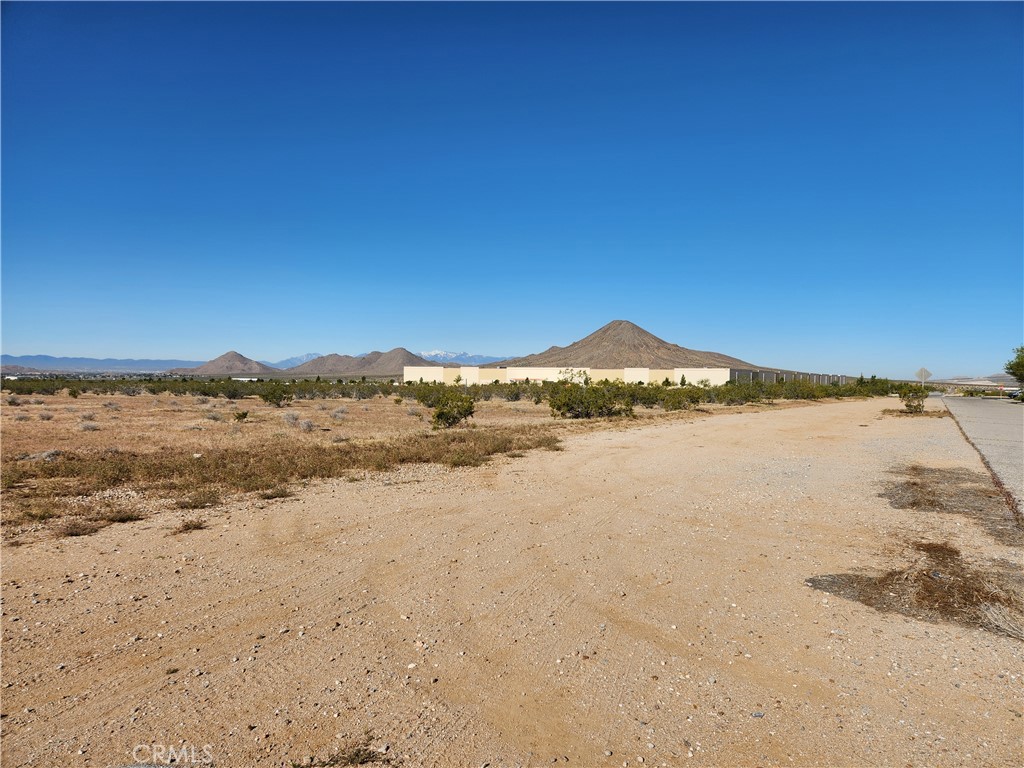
713 376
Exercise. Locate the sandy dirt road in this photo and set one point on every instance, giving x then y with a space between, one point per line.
639 597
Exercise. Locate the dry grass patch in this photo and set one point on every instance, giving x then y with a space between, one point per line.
938 586
34 489
353 752
200 499
961 492
78 516
77 526
276 493
912 415
188 525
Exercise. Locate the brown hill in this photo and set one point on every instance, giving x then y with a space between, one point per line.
393 362
621 344
373 364
16 370
332 363
228 364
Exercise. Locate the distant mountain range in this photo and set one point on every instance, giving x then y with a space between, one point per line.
619 344
90 364
291 362
460 358
371 364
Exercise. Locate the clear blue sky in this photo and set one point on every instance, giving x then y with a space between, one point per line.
832 187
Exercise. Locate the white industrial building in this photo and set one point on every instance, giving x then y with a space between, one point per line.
713 376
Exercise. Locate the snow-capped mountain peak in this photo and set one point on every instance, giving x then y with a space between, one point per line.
464 358
291 362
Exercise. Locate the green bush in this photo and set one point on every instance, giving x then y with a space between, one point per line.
452 407
913 396
683 398
276 394
576 401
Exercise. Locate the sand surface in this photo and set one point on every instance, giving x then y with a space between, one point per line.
640 597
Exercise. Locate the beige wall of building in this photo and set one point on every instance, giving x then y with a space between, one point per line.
490 375
429 373
540 374
658 376
473 375
715 376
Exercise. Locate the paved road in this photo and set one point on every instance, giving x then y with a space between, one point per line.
997 428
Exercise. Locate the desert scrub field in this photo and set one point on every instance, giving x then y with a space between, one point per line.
72 465
76 461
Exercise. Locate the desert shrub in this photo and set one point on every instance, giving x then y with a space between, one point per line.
202 400
466 459
14 400
77 526
430 394
800 389
738 393
123 515
364 391
648 396
45 416
683 398
339 413
190 524
89 426
112 406
578 401
452 408
276 394
291 419
240 415
22 417
913 397
306 425
88 417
